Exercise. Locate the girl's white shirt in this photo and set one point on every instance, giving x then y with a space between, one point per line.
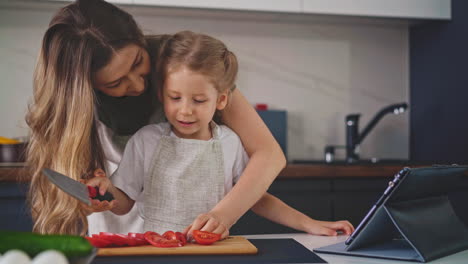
137 158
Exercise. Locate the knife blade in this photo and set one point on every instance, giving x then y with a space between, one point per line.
68 185
75 188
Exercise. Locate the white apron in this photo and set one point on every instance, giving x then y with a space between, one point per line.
185 180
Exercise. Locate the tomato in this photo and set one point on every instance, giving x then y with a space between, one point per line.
106 239
169 235
136 235
205 238
136 239
157 240
99 242
116 239
181 237
92 191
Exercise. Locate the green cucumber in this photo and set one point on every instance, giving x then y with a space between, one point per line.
33 244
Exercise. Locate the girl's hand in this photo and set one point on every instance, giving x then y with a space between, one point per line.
327 228
208 222
100 180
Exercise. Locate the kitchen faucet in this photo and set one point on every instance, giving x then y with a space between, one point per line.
354 138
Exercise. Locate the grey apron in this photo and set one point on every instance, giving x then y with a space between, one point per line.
186 179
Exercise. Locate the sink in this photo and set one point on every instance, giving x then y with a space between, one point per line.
397 162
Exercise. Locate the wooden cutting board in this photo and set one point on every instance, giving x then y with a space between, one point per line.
233 245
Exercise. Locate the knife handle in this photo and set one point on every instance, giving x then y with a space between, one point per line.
94 194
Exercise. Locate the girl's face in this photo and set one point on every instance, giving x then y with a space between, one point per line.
190 101
126 73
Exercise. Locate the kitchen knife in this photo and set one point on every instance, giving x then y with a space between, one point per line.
75 188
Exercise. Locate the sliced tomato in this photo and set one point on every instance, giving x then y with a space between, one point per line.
175 236
116 239
99 242
181 237
157 240
137 239
169 235
137 235
205 238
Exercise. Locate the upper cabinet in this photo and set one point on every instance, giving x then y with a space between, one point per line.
407 9
125 2
290 6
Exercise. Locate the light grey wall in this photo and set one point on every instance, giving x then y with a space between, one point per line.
318 68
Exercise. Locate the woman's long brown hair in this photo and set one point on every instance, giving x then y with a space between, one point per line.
82 38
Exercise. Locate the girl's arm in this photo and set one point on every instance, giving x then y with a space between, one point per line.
123 203
266 161
277 211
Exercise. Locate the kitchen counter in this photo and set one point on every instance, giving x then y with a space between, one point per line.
338 170
16 172
13 172
311 242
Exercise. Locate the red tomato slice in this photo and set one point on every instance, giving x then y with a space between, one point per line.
137 235
205 238
169 235
181 237
137 239
157 240
116 239
98 242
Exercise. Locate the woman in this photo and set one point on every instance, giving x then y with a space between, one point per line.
92 91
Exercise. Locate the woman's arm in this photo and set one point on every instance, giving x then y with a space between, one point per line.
266 161
277 211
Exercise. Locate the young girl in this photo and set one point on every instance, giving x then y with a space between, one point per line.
182 169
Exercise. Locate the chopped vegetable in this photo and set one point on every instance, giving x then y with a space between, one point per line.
205 238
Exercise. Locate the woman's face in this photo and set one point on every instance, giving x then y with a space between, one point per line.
126 73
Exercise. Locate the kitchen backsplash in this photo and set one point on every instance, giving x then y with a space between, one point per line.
317 69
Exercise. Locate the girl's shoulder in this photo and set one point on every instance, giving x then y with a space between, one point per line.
225 133
150 133
152 129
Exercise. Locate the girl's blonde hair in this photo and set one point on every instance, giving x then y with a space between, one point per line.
80 40
199 53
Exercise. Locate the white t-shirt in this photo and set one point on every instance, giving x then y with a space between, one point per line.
139 151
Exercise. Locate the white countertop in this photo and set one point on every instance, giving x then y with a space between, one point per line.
311 242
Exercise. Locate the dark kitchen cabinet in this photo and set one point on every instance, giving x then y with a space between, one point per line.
14 212
321 199
438 78
309 196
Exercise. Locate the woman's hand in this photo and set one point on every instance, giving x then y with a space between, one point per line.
100 180
327 228
209 222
